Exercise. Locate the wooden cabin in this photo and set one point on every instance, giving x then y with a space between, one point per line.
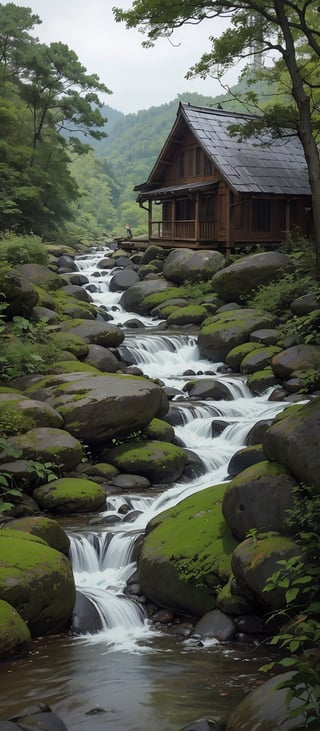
207 189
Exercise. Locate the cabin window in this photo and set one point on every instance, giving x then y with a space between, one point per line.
181 165
261 214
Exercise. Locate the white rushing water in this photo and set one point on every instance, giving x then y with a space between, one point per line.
102 559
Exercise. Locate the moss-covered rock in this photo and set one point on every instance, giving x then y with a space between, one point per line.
18 293
15 637
45 528
261 381
186 265
95 331
293 441
230 329
73 343
186 555
70 495
258 359
297 358
69 366
134 298
160 462
37 581
248 273
255 560
189 315
236 355
47 445
18 414
159 430
230 603
259 497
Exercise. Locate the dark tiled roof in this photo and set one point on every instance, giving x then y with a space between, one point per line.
171 189
251 166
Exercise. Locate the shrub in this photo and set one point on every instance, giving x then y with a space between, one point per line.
22 250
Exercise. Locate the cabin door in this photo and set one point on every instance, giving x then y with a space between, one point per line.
207 214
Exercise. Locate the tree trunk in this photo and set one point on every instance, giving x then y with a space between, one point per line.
305 130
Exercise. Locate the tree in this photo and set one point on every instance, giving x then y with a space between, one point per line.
49 108
288 28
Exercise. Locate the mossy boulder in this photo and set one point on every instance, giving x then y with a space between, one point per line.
231 603
293 441
69 366
237 354
255 560
159 430
72 343
186 265
15 637
98 408
187 553
133 298
259 497
47 445
94 331
159 461
266 709
230 329
189 315
70 495
154 300
18 414
261 381
46 528
102 358
18 293
40 275
250 272
296 358
258 359
37 581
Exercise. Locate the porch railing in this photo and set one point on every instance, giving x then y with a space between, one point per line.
184 230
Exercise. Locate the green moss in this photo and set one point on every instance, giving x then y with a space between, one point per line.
159 430
195 538
191 313
157 298
70 366
15 637
236 355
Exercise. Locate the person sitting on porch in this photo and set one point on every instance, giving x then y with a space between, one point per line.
129 232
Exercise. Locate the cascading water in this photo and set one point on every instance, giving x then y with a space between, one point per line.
167 357
127 676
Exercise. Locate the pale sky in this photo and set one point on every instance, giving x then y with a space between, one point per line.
139 78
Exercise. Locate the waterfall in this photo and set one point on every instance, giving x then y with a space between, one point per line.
102 560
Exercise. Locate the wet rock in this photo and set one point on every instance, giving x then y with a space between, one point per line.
47 445
85 617
156 460
45 528
124 279
70 495
249 273
230 329
244 458
15 637
215 624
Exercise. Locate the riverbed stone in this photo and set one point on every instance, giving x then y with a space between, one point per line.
293 441
159 430
123 279
98 408
207 389
19 294
132 299
70 495
256 559
19 414
37 581
261 381
184 264
188 315
259 498
46 528
41 275
245 457
68 341
230 329
160 462
95 331
258 359
236 355
296 358
215 624
249 273
266 709
47 445
102 358
187 553
15 637
85 616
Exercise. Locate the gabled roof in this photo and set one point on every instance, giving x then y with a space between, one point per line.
254 165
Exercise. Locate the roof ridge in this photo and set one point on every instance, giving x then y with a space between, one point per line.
220 112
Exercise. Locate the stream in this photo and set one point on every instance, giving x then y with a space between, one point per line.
130 676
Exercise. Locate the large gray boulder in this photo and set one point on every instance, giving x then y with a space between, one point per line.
296 358
18 293
183 264
255 560
42 276
246 274
95 332
293 441
21 414
47 445
259 497
266 709
133 297
123 279
229 329
97 408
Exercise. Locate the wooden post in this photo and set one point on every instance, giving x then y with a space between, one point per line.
196 217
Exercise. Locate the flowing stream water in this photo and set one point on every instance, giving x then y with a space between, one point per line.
129 676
